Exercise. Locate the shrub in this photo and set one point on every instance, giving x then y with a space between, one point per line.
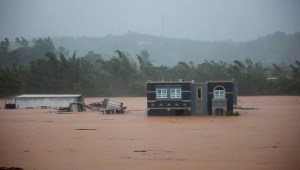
233 113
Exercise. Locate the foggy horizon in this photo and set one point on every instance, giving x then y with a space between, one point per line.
216 20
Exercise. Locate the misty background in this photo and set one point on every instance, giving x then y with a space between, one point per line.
206 20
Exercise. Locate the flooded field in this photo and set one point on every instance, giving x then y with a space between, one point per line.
267 137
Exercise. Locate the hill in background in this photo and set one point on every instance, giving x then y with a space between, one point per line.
274 48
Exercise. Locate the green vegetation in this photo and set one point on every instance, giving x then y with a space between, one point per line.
236 113
38 67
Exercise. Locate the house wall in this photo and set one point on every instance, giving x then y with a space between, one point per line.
203 100
41 101
235 94
189 104
168 106
229 88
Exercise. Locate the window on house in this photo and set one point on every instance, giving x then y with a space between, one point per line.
161 93
199 93
219 92
176 93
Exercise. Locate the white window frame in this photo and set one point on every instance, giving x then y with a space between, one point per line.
175 93
161 93
219 94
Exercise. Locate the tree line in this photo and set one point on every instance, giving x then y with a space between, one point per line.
38 67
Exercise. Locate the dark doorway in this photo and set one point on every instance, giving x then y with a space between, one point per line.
179 112
219 111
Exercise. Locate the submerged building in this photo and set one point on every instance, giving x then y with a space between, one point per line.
46 100
176 98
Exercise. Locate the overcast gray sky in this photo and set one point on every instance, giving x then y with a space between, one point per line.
211 20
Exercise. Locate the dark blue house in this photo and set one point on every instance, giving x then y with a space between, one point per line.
178 98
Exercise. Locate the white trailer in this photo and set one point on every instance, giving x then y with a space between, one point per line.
46 100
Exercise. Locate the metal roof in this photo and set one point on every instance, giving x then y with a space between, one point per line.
47 95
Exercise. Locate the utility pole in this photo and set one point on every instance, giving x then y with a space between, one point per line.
163 25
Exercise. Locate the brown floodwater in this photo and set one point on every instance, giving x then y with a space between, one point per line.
267 137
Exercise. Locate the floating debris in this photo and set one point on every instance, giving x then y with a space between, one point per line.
11 168
73 107
107 106
85 129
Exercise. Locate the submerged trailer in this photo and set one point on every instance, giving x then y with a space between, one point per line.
47 100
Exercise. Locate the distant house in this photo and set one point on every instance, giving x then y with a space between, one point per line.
189 98
46 100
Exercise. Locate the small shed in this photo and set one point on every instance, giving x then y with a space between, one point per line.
47 100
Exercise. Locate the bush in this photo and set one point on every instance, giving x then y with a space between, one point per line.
233 113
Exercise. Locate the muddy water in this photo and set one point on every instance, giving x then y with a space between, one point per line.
263 138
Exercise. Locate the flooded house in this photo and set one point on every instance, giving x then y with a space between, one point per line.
184 98
47 100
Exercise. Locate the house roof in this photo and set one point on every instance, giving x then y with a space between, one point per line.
48 95
185 81
220 81
168 82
